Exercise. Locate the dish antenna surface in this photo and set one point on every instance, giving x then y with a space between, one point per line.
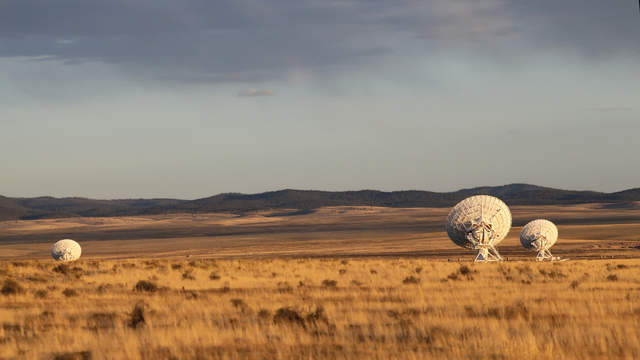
540 235
480 222
66 250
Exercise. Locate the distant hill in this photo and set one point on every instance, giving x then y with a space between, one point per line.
513 194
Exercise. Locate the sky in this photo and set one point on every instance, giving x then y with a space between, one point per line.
186 99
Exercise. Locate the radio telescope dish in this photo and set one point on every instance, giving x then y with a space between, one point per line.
66 250
480 222
540 235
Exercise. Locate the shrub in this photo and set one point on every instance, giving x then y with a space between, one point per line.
411 280
78 355
41 294
418 269
264 314
553 274
188 275
69 292
136 319
66 269
612 277
62 269
574 284
329 283
317 316
214 276
464 270
238 303
147 286
288 315
11 287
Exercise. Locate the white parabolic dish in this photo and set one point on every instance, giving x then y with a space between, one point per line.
479 222
539 235
66 250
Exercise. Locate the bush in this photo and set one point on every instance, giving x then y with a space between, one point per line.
136 318
188 275
78 355
317 316
288 315
62 269
214 276
65 269
411 280
238 303
11 287
69 292
329 283
464 270
264 314
147 286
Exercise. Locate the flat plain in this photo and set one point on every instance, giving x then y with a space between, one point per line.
586 231
345 282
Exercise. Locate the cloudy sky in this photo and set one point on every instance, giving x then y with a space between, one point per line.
166 98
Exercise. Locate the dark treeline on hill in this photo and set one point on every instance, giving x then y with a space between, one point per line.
514 194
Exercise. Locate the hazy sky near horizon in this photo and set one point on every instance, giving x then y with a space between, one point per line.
185 99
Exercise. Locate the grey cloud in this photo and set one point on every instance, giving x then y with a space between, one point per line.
255 40
255 93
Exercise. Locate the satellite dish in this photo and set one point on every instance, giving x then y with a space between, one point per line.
480 222
66 250
540 235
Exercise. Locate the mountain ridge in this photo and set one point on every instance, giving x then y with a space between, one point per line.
512 194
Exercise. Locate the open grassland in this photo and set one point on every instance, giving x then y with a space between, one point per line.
384 308
586 231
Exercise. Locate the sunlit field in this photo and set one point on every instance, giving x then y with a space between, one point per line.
381 308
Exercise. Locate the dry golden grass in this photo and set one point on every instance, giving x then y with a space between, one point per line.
319 308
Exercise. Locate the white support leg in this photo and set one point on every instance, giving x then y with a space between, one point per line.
487 254
545 255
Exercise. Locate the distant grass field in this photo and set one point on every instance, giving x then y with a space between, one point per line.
380 308
586 231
